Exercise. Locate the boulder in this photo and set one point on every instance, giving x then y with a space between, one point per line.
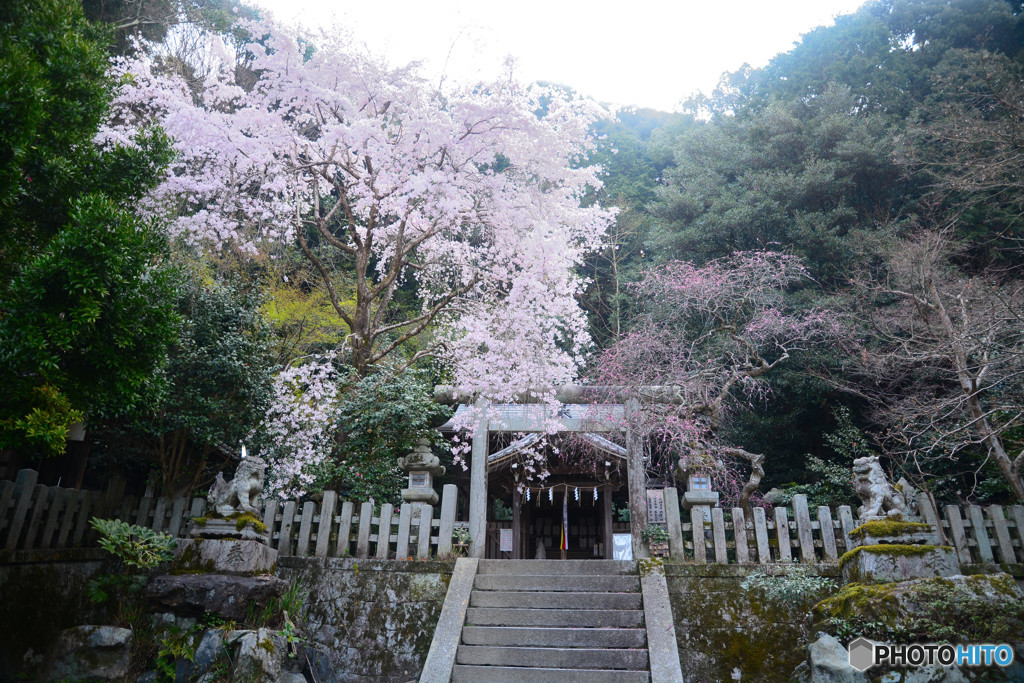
260 654
92 653
230 597
828 662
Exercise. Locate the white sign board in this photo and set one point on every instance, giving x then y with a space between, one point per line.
505 540
622 547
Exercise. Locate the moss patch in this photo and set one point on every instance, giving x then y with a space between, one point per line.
888 527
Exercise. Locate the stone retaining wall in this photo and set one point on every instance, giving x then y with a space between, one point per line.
369 620
43 593
724 631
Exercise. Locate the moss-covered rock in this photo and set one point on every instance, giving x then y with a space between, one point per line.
982 608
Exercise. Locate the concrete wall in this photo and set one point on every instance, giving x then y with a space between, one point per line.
723 631
43 593
369 620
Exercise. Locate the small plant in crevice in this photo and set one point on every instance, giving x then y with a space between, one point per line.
275 613
138 550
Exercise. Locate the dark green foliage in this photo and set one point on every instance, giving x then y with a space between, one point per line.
380 419
216 384
89 317
85 314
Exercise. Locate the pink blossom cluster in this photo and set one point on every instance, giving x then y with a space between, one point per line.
300 424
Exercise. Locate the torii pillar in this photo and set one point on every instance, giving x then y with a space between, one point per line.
478 483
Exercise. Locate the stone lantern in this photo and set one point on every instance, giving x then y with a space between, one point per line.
698 493
422 466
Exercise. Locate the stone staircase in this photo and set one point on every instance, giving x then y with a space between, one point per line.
554 620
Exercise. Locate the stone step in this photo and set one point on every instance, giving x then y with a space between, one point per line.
524 636
555 582
562 600
552 657
463 673
558 567
496 616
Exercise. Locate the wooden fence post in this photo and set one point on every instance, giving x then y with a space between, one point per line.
980 534
24 487
803 528
764 553
739 533
699 548
782 534
1003 543
956 530
673 523
426 516
828 534
387 511
323 531
365 520
718 534
449 500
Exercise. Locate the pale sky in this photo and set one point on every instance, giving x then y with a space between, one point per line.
639 52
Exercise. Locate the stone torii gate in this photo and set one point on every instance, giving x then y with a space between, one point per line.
627 398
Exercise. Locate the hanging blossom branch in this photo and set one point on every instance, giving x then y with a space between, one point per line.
468 194
716 332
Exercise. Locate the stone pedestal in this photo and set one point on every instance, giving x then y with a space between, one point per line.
237 557
891 562
214 528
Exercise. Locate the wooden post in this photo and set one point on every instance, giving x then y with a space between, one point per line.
803 528
718 534
449 503
1003 543
846 525
782 533
404 525
956 530
365 519
305 528
177 517
1017 515
426 513
384 531
828 534
323 532
478 483
24 487
636 475
739 532
699 548
284 543
517 524
609 541
344 529
673 523
270 519
980 534
764 554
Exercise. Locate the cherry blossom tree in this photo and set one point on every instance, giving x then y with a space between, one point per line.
469 194
715 332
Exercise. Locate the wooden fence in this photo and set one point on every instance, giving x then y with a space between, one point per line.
980 536
34 517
